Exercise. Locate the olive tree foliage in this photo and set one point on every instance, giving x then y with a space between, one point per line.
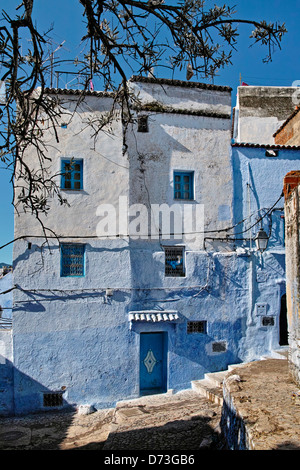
122 37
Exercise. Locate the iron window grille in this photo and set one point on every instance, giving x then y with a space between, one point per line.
197 327
143 124
71 174
184 185
53 399
72 260
174 261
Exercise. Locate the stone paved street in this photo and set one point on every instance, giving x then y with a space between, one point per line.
183 421
264 396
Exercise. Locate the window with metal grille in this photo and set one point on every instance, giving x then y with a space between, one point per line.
143 124
174 261
196 327
71 174
183 185
52 399
72 259
267 321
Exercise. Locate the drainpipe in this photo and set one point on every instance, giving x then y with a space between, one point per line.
250 321
249 202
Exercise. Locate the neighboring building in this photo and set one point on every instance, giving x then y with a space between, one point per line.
5 268
258 173
292 215
289 131
260 111
126 301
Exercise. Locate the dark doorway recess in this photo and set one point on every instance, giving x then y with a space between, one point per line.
283 325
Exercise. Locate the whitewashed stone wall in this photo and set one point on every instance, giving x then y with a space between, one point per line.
292 268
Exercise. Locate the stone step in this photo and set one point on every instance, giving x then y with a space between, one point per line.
282 353
211 386
235 366
206 388
216 377
278 354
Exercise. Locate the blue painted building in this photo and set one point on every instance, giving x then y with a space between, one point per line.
258 174
153 278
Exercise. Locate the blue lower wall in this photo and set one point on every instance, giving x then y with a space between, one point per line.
6 374
86 348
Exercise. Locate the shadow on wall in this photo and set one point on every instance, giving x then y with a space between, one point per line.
49 427
6 387
40 397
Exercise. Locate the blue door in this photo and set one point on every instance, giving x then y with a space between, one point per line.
153 363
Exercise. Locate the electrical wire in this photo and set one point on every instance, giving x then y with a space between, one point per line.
166 288
262 217
227 229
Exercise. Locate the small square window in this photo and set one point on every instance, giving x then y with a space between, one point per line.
184 185
72 260
143 124
71 174
174 262
197 327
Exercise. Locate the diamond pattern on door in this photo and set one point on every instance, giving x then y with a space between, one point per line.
150 361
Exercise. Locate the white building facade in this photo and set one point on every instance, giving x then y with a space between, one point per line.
136 293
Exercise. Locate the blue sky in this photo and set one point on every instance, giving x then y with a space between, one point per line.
66 16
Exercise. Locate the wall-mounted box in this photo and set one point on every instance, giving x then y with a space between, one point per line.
261 309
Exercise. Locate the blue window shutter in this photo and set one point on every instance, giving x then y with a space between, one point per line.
72 174
62 174
72 260
184 185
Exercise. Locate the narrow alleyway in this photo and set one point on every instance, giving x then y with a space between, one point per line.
183 421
